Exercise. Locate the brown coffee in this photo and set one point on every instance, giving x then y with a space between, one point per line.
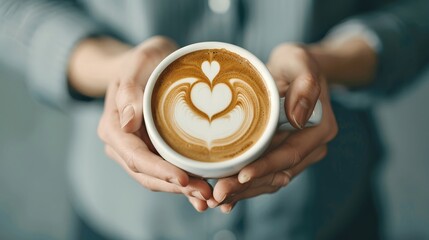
210 105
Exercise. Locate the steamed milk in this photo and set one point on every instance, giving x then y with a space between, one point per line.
210 105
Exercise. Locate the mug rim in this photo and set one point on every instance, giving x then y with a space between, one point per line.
195 166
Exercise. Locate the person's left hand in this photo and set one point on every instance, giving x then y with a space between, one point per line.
299 80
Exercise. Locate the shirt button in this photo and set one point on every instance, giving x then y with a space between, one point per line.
224 235
219 6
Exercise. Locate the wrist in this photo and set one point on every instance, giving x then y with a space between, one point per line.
94 63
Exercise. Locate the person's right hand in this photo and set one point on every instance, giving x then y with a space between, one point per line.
123 131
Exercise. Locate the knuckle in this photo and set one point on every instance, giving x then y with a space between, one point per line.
125 87
299 52
293 50
148 184
332 131
320 154
323 152
294 156
176 189
288 175
186 191
159 38
148 53
126 94
129 159
164 41
310 80
263 166
158 171
149 56
281 49
102 134
227 187
274 189
274 179
104 128
108 152
277 179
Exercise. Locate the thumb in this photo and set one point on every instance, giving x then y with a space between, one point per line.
301 97
129 102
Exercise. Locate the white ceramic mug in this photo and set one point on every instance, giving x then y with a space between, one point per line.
276 120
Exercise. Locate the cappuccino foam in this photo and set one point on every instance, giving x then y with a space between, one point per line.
210 105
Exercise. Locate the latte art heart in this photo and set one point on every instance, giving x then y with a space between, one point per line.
210 69
207 131
211 101
210 110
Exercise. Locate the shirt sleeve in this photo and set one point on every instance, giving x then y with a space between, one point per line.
399 34
37 38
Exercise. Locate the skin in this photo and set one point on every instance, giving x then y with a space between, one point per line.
105 66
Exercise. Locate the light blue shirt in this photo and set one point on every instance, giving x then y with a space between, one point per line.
38 36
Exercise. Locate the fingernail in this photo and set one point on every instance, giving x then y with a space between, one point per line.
300 112
198 195
194 204
286 181
127 115
243 178
222 199
278 180
226 208
212 203
287 178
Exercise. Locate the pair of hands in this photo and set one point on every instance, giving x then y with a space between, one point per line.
126 141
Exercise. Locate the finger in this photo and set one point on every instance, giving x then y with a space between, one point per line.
296 74
296 147
312 158
137 155
198 204
140 159
163 45
279 78
278 179
130 106
212 203
282 178
253 192
294 150
198 188
227 208
148 182
225 187
301 97
109 101
132 150
132 82
278 139
291 152
143 135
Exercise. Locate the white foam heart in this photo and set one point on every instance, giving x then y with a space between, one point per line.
210 69
210 101
202 129
198 130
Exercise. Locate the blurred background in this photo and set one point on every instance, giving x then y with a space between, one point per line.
33 146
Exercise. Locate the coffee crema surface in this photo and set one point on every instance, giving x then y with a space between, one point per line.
210 105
